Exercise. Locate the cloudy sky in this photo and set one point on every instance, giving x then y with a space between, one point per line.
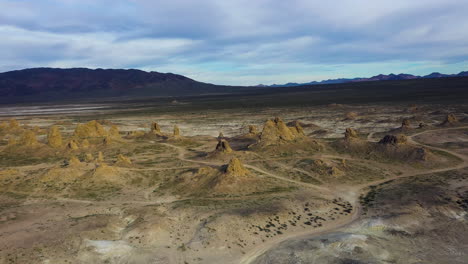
238 42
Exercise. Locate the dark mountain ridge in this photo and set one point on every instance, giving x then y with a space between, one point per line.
48 84
380 77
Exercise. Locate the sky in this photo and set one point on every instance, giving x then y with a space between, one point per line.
238 42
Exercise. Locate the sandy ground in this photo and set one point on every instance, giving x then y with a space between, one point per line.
157 211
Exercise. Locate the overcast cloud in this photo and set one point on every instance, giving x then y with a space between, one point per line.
238 41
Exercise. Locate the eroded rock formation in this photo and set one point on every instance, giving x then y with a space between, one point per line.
393 140
73 145
28 138
351 115
223 146
90 129
351 134
155 128
275 131
236 168
450 120
123 161
114 132
54 137
176 131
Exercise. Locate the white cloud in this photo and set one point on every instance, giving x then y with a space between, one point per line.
238 41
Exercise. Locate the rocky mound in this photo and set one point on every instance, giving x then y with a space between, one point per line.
89 157
156 129
397 147
90 129
100 157
351 143
14 124
114 132
28 138
236 168
73 162
297 130
223 146
405 124
107 141
135 134
123 161
54 137
10 127
450 120
176 131
351 116
351 134
72 145
393 140
85 144
253 131
104 172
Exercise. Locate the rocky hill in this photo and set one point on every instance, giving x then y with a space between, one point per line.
46 84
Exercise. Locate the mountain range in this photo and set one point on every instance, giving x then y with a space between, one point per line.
52 84
380 77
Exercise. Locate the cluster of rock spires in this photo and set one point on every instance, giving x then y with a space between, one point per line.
277 132
155 129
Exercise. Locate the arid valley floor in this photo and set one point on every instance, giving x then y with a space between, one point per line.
335 183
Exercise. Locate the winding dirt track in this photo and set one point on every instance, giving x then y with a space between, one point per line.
253 254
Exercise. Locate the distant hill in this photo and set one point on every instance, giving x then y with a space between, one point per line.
49 84
380 77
